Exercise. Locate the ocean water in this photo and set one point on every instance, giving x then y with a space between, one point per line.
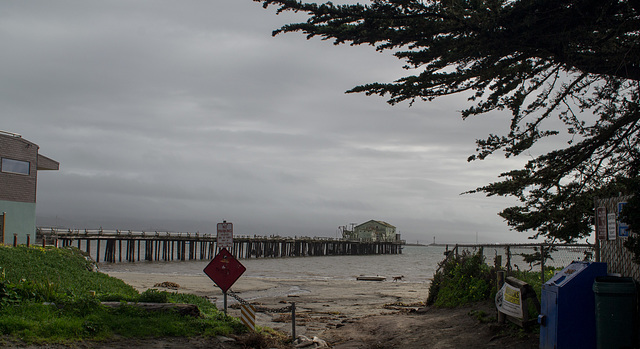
416 264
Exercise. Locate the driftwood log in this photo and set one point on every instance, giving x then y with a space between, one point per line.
182 309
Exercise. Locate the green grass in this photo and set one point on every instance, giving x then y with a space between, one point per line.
46 297
52 272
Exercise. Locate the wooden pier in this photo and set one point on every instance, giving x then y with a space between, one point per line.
129 246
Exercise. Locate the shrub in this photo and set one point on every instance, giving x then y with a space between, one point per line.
462 279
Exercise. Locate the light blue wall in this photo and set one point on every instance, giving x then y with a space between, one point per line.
20 219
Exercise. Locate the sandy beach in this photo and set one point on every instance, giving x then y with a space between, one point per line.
320 304
348 314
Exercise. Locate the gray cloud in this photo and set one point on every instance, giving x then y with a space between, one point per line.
176 115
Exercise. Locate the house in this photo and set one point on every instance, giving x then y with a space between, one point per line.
19 166
375 231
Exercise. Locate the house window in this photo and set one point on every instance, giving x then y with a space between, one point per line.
15 166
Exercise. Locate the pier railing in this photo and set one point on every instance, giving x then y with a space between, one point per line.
131 246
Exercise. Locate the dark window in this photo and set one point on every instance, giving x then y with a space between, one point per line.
15 166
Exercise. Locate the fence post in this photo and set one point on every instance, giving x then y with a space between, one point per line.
2 224
542 258
500 282
293 320
508 252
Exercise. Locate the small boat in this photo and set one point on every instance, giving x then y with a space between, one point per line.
370 278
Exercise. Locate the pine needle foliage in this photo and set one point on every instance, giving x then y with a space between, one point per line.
568 69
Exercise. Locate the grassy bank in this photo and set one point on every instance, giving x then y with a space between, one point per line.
51 295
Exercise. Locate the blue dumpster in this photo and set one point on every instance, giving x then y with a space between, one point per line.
567 307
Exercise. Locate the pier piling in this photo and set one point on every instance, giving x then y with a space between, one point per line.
186 246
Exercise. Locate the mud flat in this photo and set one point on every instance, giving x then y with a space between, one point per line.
320 304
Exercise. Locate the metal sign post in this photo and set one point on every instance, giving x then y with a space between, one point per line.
225 302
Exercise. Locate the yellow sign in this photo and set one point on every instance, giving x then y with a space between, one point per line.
509 301
512 295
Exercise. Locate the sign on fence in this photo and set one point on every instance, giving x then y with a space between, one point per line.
601 222
611 226
623 228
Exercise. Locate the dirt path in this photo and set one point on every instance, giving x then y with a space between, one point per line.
467 327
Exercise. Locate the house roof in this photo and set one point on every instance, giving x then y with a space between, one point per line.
379 222
45 163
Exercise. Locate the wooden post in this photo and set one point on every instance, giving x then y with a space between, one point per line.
98 251
28 240
500 282
542 262
2 223
15 239
293 320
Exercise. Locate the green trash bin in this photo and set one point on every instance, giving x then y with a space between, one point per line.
616 303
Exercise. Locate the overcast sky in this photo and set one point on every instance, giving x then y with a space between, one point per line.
176 115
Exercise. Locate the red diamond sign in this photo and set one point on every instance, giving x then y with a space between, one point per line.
224 270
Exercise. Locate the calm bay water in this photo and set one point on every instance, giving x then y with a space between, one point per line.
416 264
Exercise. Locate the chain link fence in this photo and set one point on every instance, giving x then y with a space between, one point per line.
528 257
612 251
258 308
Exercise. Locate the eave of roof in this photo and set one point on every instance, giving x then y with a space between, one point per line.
47 164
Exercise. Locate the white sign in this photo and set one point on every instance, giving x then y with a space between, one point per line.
611 226
225 236
509 301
